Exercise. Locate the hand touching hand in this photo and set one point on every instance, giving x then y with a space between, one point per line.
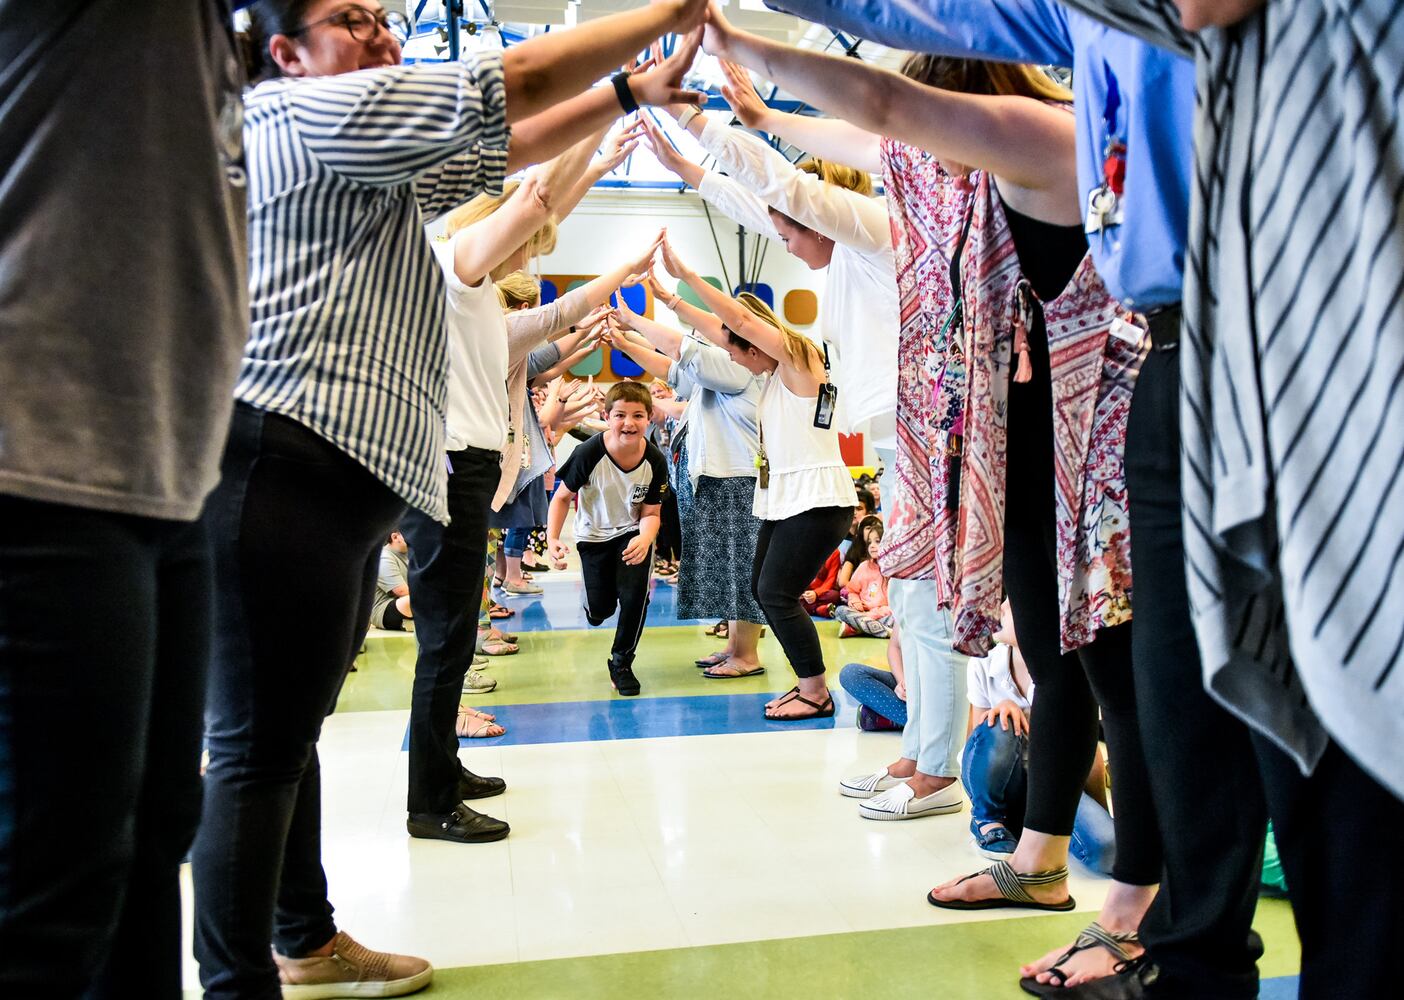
741 94
662 84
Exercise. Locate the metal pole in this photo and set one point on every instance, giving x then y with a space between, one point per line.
453 14
741 251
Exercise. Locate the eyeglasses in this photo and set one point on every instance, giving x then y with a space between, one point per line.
362 24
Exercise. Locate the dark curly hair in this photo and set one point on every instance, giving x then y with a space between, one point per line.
266 19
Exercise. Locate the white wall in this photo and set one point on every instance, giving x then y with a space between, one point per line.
611 225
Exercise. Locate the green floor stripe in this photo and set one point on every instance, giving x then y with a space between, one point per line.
967 961
569 665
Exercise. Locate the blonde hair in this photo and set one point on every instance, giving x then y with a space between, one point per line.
518 289
799 349
538 244
980 76
839 175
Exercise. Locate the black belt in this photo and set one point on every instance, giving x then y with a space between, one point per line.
1165 327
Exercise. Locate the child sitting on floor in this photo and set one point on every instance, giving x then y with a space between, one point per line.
866 611
823 595
391 610
621 479
994 764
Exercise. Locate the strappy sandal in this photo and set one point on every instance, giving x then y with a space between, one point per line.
710 673
824 711
473 726
500 611
1011 890
1094 935
719 630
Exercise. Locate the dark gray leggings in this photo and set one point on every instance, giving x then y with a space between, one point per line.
788 555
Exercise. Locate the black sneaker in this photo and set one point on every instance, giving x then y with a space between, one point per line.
623 679
462 826
475 786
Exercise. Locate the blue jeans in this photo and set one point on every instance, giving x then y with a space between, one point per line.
936 704
872 687
995 773
515 541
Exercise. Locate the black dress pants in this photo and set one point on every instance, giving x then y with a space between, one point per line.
1070 687
1203 774
788 555
104 649
446 566
294 509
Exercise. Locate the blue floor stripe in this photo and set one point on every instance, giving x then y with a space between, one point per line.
646 718
1278 988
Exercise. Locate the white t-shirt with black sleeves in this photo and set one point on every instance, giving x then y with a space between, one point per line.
609 499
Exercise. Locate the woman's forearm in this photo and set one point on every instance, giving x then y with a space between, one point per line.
828 139
1014 137
558 128
644 356
659 335
550 68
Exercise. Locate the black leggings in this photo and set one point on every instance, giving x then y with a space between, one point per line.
788 555
1071 686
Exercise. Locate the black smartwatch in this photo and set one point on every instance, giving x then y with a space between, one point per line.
622 91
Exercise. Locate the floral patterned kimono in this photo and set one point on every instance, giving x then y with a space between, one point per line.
1095 350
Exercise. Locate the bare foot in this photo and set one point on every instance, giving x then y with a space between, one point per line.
983 886
733 667
793 708
1089 964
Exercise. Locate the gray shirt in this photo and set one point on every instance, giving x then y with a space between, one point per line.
722 435
123 290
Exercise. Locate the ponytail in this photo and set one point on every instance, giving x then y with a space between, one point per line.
799 349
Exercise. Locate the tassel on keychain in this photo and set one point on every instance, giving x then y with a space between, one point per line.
1023 372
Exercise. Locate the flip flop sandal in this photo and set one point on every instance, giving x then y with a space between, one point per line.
715 660
496 610
719 630
465 710
732 676
824 711
1011 888
1093 936
472 728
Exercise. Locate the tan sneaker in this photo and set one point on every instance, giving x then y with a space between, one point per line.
351 970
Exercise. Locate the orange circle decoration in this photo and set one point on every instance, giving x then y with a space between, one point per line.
801 307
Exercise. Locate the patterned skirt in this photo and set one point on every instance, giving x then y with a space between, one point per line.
719 544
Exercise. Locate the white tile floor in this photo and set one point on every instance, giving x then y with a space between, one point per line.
631 845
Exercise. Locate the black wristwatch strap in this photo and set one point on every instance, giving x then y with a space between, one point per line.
622 91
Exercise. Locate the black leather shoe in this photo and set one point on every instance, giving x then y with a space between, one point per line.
475 786
462 826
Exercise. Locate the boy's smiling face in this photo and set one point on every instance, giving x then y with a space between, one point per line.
629 421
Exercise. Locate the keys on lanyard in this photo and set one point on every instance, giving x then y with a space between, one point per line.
1104 208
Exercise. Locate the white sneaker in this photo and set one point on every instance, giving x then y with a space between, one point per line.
476 683
902 803
865 786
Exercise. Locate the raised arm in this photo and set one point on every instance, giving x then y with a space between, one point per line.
479 248
827 138
730 198
728 312
550 68
1023 141
705 323
642 352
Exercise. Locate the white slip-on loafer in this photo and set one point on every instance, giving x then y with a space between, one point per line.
865 786
901 802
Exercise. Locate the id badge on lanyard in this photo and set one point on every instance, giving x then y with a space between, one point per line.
827 399
1104 206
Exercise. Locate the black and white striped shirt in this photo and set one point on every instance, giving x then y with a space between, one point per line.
1293 368
347 299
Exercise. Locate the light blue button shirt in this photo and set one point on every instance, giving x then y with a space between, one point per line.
1142 260
722 435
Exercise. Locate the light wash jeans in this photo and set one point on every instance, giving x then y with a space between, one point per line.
995 775
936 704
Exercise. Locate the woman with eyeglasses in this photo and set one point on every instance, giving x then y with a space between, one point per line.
339 422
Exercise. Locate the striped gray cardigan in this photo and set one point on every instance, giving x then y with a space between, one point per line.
1292 403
